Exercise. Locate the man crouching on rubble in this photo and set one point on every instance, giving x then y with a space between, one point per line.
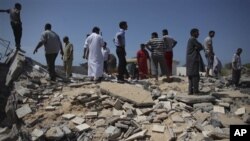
52 44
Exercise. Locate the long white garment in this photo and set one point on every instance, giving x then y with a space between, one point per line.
95 61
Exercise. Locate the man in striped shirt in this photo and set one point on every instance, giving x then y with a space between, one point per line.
155 46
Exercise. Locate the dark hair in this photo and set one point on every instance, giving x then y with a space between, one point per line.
142 45
122 23
18 6
47 26
239 50
194 30
211 31
165 31
65 39
96 29
155 34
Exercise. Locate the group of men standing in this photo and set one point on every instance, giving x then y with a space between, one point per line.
161 53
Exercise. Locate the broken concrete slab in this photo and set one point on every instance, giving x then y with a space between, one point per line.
204 106
24 110
15 69
118 104
112 132
176 118
54 133
82 127
68 116
219 109
192 99
240 111
137 135
201 116
91 115
36 134
158 128
78 120
133 94
229 94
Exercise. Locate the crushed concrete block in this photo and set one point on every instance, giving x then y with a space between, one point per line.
219 109
140 119
112 132
54 133
158 128
133 94
99 123
138 112
78 120
127 106
66 130
129 132
201 116
204 106
118 104
240 111
177 118
36 134
82 127
224 104
185 114
166 105
91 115
118 112
50 108
68 116
23 111
120 125
137 135
192 99
23 91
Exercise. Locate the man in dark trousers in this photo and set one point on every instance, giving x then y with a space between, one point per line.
16 24
236 67
52 44
193 59
119 41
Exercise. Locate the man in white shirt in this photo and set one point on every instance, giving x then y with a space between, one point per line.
209 51
94 43
105 53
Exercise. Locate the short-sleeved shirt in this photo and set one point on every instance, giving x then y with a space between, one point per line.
156 47
122 34
208 42
51 42
168 43
237 59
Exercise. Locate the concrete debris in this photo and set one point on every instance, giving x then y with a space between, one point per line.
79 109
23 111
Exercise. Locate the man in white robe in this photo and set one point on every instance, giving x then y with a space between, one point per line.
95 59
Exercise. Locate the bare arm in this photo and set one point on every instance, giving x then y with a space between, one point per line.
40 44
7 11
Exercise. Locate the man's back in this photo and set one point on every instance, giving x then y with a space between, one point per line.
51 42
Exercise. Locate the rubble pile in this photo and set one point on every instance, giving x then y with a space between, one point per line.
144 110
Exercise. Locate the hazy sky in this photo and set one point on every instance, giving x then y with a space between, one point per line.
76 18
